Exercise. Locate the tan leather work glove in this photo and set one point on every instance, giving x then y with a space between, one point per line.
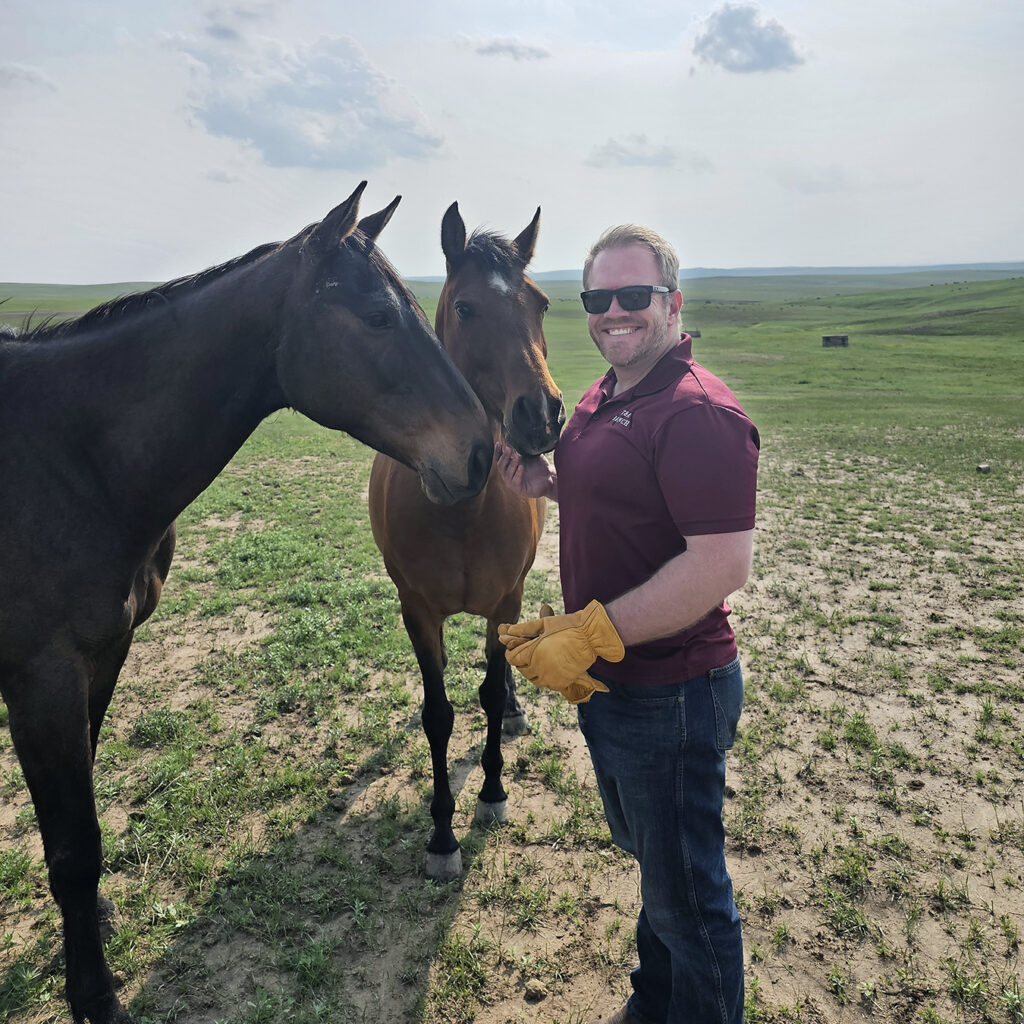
532 629
555 651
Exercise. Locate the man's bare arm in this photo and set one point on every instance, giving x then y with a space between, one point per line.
685 589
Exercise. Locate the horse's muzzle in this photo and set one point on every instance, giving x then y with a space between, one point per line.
534 427
442 490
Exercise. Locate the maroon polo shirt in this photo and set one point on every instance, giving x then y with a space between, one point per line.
674 456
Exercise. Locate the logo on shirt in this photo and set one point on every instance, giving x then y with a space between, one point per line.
624 418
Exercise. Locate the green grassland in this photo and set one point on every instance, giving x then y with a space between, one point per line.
263 779
21 301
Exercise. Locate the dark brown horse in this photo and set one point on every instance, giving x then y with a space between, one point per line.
112 424
474 556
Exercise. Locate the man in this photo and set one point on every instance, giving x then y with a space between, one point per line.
655 475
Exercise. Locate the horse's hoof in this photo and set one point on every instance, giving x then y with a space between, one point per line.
443 867
108 1011
491 813
515 724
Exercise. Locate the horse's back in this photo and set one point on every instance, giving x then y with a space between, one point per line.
467 557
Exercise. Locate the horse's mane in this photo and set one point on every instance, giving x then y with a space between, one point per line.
137 302
126 305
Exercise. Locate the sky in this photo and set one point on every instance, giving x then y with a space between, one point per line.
142 142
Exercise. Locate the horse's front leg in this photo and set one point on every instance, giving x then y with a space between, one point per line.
108 664
492 804
444 858
48 706
514 721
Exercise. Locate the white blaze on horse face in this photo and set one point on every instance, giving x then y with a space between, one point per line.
499 284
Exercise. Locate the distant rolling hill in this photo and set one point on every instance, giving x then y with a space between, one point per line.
19 302
942 273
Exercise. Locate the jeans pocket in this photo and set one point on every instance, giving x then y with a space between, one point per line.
727 693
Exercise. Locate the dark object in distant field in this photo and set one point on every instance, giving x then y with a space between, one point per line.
835 340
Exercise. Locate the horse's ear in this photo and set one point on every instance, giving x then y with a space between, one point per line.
338 224
527 241
374 224
453 233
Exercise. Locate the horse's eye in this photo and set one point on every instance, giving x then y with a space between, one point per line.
378 320
463 310
545 308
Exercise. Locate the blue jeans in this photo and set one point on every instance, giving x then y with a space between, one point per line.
659 757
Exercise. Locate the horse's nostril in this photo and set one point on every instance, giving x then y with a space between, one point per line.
537 422
479 465
557 411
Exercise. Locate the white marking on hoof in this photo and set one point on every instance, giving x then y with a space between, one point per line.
515 724
443 867
490 814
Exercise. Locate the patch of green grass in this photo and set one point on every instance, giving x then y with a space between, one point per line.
461 975
159 728
19 875
859 733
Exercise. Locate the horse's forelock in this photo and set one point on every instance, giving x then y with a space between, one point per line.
493 252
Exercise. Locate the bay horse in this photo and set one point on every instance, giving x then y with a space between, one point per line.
473 556
110 425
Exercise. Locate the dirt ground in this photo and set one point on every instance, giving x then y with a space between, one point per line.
874 814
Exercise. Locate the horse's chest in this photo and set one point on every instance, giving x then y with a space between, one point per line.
468 559
484 584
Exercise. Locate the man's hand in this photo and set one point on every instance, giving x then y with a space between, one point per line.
529 476
555 651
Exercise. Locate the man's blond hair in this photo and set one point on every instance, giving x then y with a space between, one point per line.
637 234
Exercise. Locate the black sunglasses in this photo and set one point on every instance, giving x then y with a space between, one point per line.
631 298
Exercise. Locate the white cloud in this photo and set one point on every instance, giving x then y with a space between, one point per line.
814 181
230 23
14 75
737 39
318 105
697 163
631 151
222 177
511 48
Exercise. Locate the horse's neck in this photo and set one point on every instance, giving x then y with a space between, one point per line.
161 401
494 416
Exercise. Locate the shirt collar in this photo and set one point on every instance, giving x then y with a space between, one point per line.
667 370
